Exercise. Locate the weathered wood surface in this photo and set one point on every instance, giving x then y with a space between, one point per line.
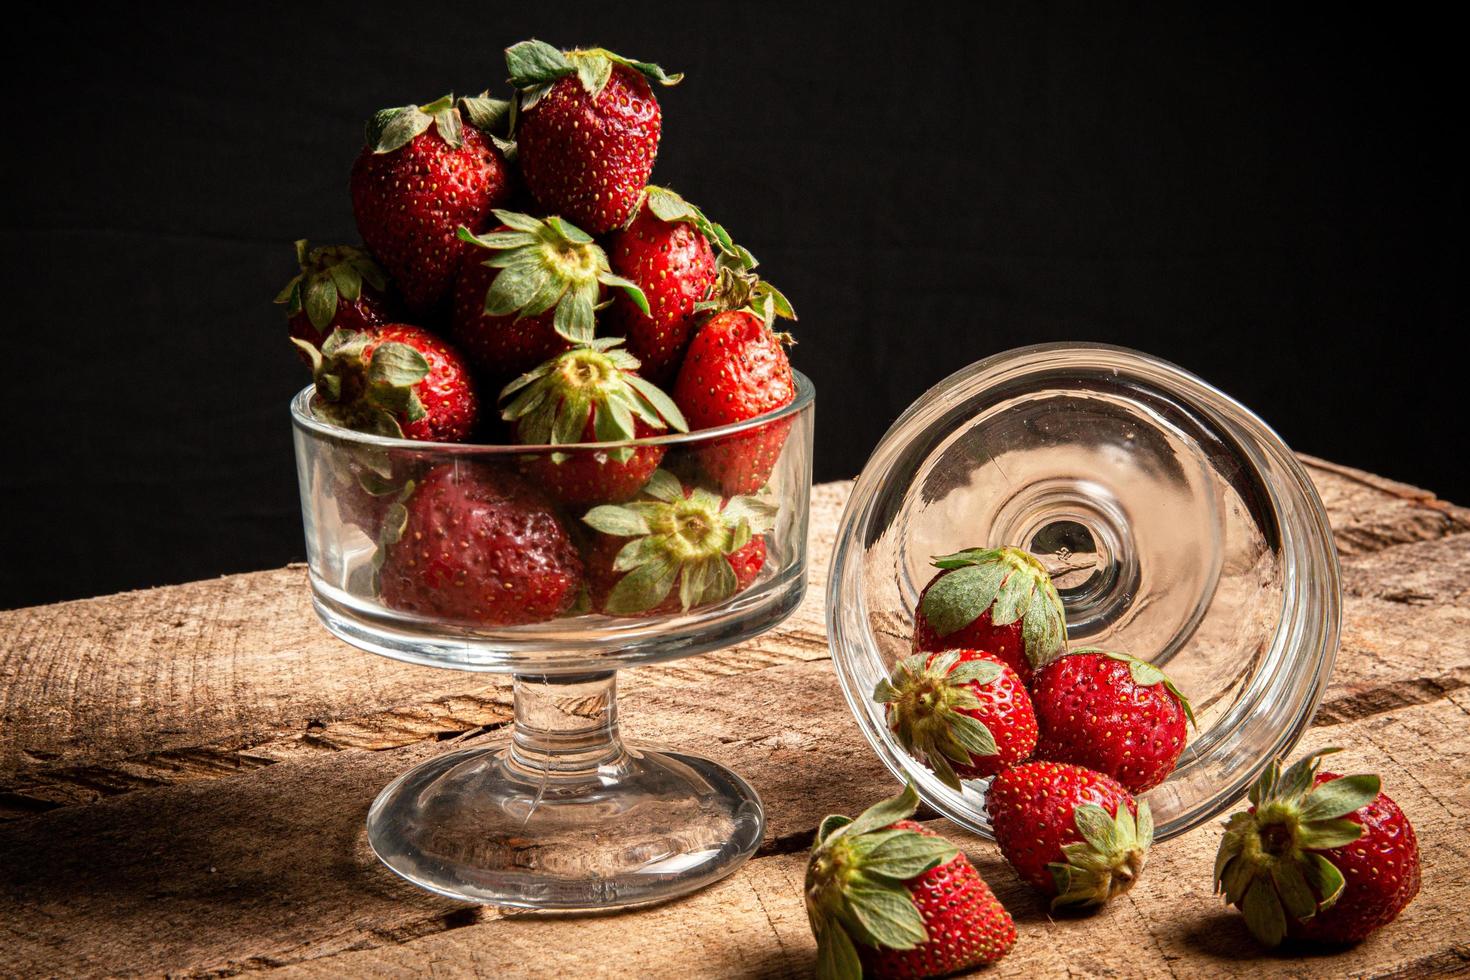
184 774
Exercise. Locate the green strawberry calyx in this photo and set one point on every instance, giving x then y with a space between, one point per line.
393 129
1008 583
552 404
678 535
668 206
927 696
328 274
369 393
1144 674
737 287
1270 864
535 66
1107 860
854 890
490 116
546 263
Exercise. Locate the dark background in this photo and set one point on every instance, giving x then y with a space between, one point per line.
1268 199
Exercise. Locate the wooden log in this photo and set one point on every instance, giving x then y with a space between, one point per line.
205 802
103 696
1170 924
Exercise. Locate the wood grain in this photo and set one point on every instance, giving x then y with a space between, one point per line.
187 770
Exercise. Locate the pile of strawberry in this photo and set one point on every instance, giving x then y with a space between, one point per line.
516 256
1067 739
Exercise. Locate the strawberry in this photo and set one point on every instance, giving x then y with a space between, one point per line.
338 287
1112 713
590 394
889 897
736 369
666 251
529 290
1319 856
587 132
1075 834
394 380
475 544
964 712
421 176
996 599
675 532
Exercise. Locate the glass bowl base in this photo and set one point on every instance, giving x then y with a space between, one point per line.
638 827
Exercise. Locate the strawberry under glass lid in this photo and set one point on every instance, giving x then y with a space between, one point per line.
1175 525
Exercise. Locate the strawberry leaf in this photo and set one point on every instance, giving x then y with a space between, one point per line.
956 600
1339 797
1323 835
837 957
830 824
321 301
1263 913
906 855
1292 888
484 112
1324 878
891 810
644 587
620 522
888 914
535 62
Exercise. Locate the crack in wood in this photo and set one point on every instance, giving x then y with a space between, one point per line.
1389 697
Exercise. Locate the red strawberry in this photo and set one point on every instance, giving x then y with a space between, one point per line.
996 599
666 251
963 712
395 380
588 130
1112 713
338 288
478 545
1320 856
528 291
675 534
736 369
1073 833
423 175
891 898
590 394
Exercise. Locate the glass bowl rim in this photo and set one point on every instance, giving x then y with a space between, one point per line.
1272 451
302 418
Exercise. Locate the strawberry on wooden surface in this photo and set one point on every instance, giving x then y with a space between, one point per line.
675 548
337 287
1074 834
997 599
666 250
476 544
588 130
890 898
1317 856
422 175
394 380
964 713
528 290
1113 713
591 393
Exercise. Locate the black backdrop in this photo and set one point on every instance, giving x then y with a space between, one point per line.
1269 199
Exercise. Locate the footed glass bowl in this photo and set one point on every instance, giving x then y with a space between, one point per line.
1176 526
487 558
